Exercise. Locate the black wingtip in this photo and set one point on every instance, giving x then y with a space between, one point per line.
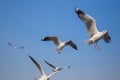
42 39
29 56
9 43
77 49
78 11
45 61
45 39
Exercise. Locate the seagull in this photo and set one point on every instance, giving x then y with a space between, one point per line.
43 75
56 68
94 34
60 45
14 47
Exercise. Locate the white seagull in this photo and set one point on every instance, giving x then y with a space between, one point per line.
92 30
14 47
60 45
56 68
43 75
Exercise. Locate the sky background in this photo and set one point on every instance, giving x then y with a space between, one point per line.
25 22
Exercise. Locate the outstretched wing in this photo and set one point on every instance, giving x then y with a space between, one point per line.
88 20
38 66
50 64
53 38
72 44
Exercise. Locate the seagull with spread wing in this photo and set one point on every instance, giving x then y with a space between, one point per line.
60 45
56 68
94 34
14 47
43 75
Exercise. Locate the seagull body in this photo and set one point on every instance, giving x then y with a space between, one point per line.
14 47
56 68
94 34
60 45
43 75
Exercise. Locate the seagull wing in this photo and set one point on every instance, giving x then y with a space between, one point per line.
89 22
51 74
38 66
10 44
53 38
72 44
50 64
14 47
107 38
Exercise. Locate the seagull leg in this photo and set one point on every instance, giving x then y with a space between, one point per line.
96 46
58 51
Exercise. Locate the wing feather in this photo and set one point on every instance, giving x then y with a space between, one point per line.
72 44
88 21
53 38
38 66
50 64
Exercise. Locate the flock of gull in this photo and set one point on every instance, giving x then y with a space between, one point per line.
94 34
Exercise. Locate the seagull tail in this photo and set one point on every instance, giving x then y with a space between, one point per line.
88 42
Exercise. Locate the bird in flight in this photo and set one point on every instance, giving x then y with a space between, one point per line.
60 45
93 32
14 47
56 68
43 75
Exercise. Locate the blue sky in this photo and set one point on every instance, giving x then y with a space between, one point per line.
25 22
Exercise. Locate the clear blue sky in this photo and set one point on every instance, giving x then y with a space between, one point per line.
25 22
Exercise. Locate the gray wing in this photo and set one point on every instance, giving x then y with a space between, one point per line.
107 38
38 66
52 38
72 44
50 64
88 20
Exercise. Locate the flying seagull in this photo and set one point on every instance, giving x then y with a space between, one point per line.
14 47
94 34
56 68
60 45
43 75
